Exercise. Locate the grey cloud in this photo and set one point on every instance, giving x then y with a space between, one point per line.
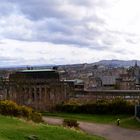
66 35
76 23
8 61
131 41
38 9
122 33
130 38
52 24
6 8
5 59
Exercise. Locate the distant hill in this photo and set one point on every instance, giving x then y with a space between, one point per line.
118 63
109 63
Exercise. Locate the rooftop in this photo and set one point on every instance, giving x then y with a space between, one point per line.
35 74
76 81
108 80
38 70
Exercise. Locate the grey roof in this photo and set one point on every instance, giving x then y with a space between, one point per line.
35 74
76 81
108 80
37 70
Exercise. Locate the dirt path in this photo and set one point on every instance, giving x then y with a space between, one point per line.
110 132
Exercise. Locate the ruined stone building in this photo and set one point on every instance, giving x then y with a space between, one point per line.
40 89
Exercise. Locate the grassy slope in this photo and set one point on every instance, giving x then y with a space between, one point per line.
125 120
15 129
131 123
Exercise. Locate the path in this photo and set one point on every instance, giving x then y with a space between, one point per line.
110 132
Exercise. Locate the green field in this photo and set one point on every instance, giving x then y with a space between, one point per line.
131 123
15 129
125 120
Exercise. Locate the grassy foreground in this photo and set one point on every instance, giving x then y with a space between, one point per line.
125 120
15 129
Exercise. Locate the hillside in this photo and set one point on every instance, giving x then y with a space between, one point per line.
15 129
118 63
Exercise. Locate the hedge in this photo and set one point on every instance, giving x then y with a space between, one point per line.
115 106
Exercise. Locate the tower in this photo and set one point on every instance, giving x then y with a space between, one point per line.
136 65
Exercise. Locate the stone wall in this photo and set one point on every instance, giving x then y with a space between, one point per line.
41 96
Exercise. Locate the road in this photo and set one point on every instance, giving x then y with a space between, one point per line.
110 132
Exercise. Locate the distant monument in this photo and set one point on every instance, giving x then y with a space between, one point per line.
136 64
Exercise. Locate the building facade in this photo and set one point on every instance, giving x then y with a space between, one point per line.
39 89
126 82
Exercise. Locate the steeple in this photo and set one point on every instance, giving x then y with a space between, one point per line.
136 65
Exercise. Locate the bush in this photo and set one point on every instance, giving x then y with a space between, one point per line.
70 123
36 117
25 111
120 106
115 106
10 108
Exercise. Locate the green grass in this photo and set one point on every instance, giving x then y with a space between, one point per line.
15 129
131 123
106 119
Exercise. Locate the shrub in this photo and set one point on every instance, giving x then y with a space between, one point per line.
120 106
10 108
115 106
25 111
70 123
36 117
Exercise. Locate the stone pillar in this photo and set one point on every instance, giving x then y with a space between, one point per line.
40 95
35 104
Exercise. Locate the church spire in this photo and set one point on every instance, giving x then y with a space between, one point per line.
136 65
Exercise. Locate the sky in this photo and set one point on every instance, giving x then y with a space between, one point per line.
44 32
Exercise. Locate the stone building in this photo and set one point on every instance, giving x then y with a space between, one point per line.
75 85
40 89
108 82
136 74
93 83
125 82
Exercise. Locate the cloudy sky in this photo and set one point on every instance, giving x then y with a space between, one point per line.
41 32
